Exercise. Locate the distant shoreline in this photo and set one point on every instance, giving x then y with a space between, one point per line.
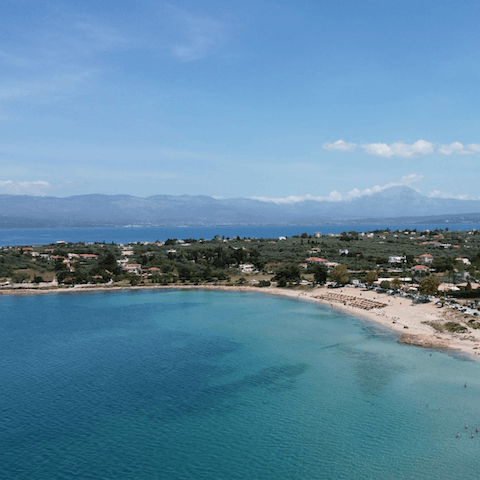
399 314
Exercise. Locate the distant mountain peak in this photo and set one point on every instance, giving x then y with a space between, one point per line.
398 190
23 211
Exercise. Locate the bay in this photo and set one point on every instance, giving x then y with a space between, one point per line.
214 385
45 236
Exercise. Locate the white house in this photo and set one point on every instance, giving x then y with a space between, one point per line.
246 267
426 258
396 259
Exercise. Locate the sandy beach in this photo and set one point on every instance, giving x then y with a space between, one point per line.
410 321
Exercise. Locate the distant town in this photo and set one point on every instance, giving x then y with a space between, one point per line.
399 259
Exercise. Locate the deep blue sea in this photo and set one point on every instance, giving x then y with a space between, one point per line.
43 236
224 385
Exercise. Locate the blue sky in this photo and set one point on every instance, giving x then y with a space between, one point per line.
266 99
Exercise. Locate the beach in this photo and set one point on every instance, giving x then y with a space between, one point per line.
412 322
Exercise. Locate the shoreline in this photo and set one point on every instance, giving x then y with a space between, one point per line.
398 314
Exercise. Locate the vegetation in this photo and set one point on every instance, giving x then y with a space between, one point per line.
340 274
256 261
371 277
429 285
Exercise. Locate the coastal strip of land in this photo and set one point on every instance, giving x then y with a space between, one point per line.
425 324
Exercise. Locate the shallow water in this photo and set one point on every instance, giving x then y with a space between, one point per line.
214 385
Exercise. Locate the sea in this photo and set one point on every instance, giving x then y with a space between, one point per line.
44 236
178 384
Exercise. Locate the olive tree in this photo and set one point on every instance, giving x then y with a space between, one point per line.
340 274
429 285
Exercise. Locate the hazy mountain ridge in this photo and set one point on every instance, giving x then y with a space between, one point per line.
95 210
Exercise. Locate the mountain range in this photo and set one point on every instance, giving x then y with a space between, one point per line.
96 210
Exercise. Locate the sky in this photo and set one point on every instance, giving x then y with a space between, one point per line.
276 100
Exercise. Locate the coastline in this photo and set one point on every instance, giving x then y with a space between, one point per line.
398 314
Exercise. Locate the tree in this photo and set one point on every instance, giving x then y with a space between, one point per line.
291 273
340 274
396 283
371 277
319 273
429 285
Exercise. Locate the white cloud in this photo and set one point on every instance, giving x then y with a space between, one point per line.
400 149
417 149
412 177
37 187
474 147
340 146
405 150
336 196
378 149
452 148
440 194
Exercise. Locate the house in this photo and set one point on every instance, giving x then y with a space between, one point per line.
134 268
465 261
246 267
88 256
426 258
315 250
420 268
318 234
396 259
331 264
343 252
316 260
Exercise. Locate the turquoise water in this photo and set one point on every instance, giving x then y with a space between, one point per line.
224 385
